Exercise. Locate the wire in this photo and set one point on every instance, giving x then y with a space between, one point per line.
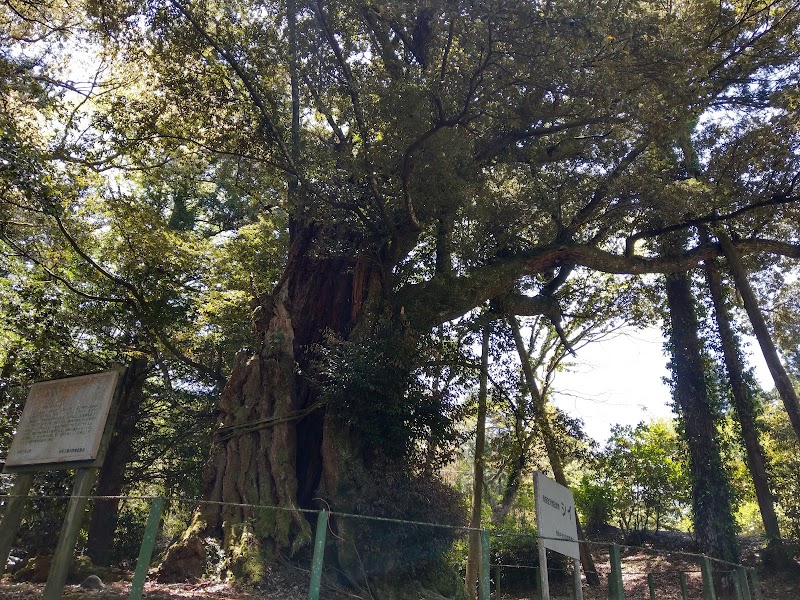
339 514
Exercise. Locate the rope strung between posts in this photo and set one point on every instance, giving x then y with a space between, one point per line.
198 501
231 431
549 568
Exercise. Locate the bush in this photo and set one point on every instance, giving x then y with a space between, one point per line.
400 552
519 553
594 502
130 532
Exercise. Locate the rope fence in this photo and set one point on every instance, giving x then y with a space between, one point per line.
491 573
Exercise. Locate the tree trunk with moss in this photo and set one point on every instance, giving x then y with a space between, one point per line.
274 443
745 404
713 520
782 382
111 478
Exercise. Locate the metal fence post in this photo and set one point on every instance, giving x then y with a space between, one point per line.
484 570
577 590
616 590
146 550
651 584
708 579
684 587
319 555
737 585
497 573
741 575
756 585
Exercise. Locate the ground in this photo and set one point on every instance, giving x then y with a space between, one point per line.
287 582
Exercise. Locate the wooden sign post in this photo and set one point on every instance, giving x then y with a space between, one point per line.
65 424
557 526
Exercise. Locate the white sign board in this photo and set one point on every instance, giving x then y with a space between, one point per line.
555 516
63 420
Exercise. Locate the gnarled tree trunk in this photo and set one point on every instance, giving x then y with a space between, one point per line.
274 444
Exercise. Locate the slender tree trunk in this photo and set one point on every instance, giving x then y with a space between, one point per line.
474 553
745 411
713 518
110 480
510 490
779 375
550 444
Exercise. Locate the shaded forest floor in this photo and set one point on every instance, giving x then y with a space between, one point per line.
290 583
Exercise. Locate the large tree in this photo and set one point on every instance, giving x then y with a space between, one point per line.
427 157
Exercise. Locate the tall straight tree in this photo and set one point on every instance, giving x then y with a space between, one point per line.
712 512
782 382
550 443
745 403
474 554
111 477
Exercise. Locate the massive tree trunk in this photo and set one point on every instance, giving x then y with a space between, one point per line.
111 478
745 411
274 444
711 497
551 446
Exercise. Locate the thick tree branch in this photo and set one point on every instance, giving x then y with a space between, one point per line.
55 276
441 299
119 281
502 142
137 301
353 90
601 192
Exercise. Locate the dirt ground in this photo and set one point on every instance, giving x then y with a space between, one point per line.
290 583
775 587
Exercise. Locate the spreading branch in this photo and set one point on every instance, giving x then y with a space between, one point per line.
714 217
441 299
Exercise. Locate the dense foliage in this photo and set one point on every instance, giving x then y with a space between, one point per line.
290 213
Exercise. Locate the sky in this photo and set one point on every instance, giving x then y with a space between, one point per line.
621 380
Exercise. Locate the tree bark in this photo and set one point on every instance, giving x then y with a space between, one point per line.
111 478
713 518
551 446
745 411
751 305
511 489
274 444
474 553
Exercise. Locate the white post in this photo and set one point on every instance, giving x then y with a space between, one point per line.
543 578
576 574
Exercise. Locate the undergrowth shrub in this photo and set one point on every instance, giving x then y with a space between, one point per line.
404 552
518 552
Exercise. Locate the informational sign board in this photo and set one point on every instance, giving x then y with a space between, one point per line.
555 516
63 421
